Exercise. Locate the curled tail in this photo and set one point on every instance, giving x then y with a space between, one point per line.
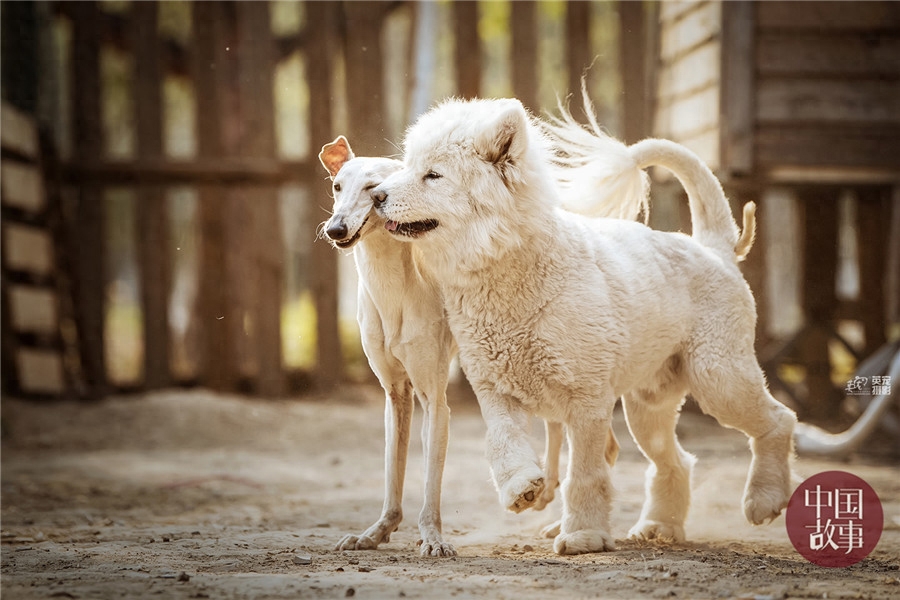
711 217
602 177
597 173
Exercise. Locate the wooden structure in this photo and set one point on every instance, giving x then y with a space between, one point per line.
35 296
227 56
803 96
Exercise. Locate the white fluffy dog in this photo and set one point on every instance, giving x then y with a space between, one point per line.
407 341
559 315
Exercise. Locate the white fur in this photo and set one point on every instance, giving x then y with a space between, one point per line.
405 337
559 315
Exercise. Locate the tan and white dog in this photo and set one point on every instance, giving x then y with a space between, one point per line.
559 315
407 340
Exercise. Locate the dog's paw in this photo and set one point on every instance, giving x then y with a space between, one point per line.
764 505
645 529
583 541
435 548
522 490
359 542
552 530
547 495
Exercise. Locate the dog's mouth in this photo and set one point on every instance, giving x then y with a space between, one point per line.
350 241
414 229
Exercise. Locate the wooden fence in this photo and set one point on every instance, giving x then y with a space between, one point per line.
228 57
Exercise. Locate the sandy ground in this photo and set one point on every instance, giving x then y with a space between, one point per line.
190 495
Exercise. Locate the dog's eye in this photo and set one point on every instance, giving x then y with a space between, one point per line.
432 175
337 187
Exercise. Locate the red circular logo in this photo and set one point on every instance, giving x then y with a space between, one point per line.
834 519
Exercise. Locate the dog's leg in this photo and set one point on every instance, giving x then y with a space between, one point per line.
651 419
587 491
552 445
435 433
735 393
515 468
397 419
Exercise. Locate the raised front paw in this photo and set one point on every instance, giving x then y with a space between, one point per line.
646 529
763 505
583 541
522 490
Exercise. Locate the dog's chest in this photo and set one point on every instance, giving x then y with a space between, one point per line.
503 345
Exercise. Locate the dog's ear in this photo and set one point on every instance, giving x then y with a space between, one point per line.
334 155
505 138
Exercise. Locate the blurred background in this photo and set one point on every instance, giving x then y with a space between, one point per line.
161 189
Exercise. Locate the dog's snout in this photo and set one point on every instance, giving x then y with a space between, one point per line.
336 231
379 196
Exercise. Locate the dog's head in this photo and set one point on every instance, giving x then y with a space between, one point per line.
353 180
469 178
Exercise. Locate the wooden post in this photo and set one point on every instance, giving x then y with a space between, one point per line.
256 66
754 265
90 216
217 368
578 43
632 65
467 49
820 210
364 65
323 258
873 222
524 53
738 87
152 209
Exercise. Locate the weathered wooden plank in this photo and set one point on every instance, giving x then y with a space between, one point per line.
18 132
523 22
700 25
844 15
90 278
22 186
152 221
256 67
706 145
633 51
467 48
820 232
689 115
873 212
876 147
578 43
33 310
828 54
27 249
737 87
364 62
323 258
210 69
40 371
828 101
690 72
675 9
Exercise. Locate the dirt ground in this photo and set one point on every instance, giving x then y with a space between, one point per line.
186 494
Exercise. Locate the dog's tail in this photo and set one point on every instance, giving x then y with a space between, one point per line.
713 225
597 173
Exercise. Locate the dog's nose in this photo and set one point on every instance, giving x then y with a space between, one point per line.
379 196
337 231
